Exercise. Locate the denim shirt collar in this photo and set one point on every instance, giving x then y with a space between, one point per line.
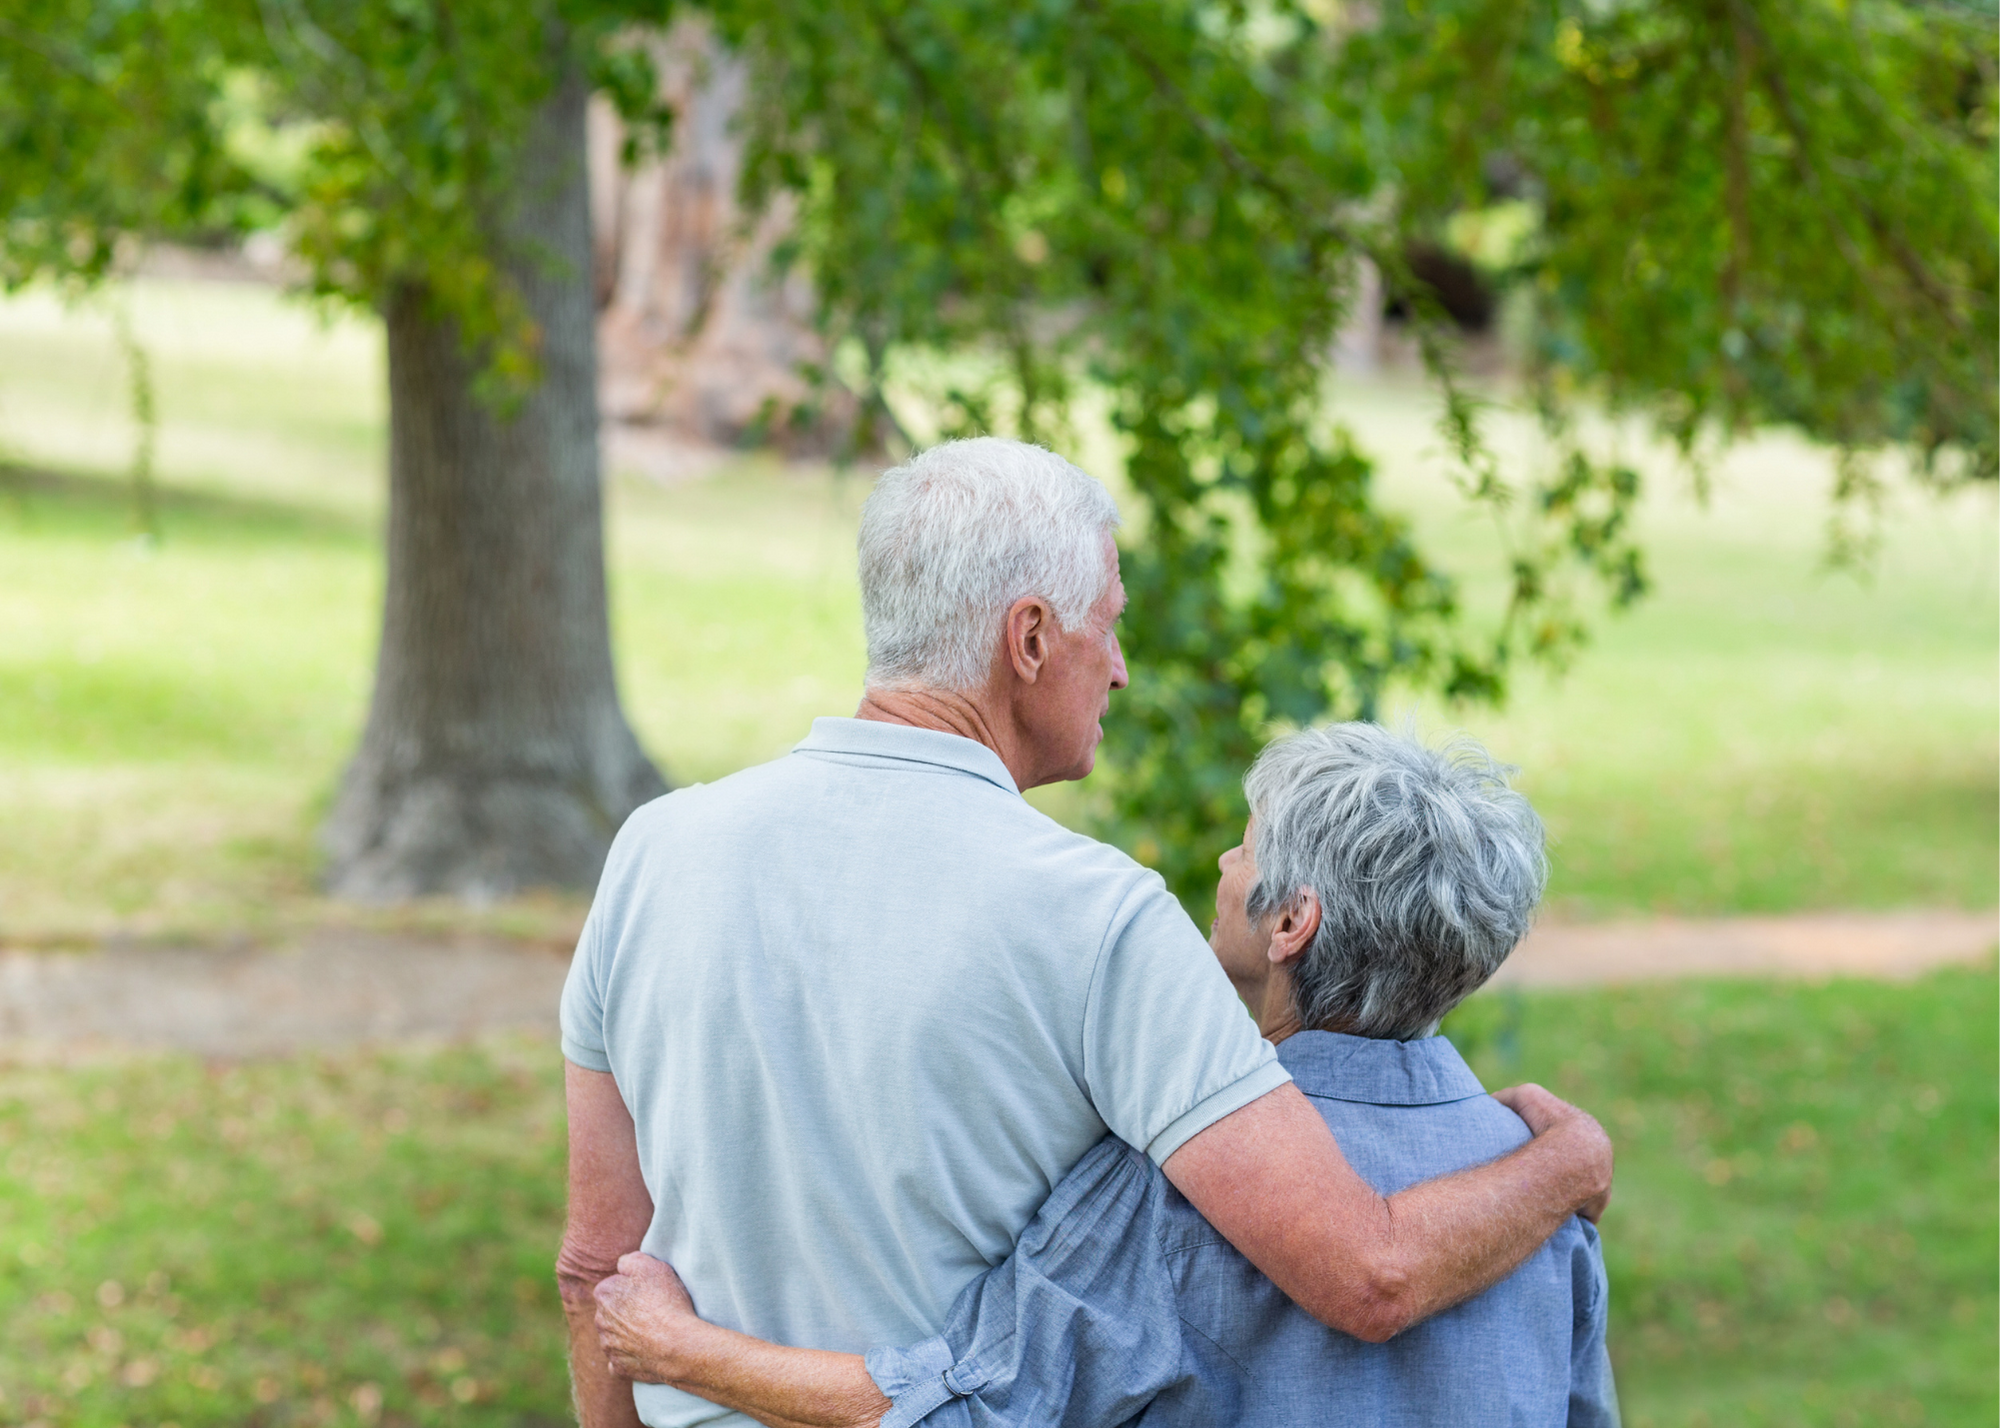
875 739
1338 1067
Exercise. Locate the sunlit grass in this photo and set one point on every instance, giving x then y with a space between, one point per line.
1763 731
1759 734
170 719
1803 1231
257 396
335 1241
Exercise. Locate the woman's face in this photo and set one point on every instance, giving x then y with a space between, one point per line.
1242 949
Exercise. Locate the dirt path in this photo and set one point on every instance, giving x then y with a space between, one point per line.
1823 944
330 988
342 987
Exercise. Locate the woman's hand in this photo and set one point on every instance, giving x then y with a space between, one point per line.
645 1319
651 1334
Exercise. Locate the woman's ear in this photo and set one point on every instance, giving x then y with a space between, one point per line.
1294 927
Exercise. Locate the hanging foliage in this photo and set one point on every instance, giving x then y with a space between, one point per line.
1709 214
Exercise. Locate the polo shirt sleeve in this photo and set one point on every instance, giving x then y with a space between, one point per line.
582 1013
1168 1048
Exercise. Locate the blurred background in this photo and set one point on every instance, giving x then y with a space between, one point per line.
1613 383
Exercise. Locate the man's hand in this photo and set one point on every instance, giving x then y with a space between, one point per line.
643 1316
1550 1115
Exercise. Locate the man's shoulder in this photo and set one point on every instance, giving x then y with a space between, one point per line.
983 834
685 820
745 785
1072 853
761 790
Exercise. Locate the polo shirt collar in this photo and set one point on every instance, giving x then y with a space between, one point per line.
1338 1067
871 738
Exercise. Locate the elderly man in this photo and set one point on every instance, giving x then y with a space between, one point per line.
1380 883
838 1024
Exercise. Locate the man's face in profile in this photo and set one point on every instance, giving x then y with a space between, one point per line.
1085 665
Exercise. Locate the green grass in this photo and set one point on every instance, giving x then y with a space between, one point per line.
1803 1231
315 1242
1761 733
173 719
1758 735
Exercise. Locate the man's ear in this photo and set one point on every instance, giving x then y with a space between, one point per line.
1030 623
1293 927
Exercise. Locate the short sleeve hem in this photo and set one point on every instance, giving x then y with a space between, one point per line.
913 1379
590 1058
1212 1108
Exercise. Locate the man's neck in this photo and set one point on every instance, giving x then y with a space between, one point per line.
947 712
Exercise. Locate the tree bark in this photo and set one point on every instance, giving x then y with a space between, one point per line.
496 755
702 342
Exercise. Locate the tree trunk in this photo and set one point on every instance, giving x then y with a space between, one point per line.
496 756
702 343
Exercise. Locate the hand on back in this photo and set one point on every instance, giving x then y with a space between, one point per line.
1548 1114
642 1313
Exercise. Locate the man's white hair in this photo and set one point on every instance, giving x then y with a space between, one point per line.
954 536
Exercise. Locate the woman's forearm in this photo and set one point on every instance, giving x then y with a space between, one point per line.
778 1386
649 1332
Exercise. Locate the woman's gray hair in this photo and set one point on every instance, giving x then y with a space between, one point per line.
1428 867
954 536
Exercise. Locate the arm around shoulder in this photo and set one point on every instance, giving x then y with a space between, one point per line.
1271 1179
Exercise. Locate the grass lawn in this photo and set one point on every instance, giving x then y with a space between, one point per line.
1803 1233
1759 735
1803 1230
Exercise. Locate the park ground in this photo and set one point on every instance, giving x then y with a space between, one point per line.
1804 1231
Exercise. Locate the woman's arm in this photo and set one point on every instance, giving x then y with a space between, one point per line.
650 1333
1078 1327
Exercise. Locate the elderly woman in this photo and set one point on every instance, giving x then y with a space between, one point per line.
1378 884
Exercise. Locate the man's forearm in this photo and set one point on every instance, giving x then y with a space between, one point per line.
1271 1179
609 1210
779 1386
1451 1238
603 1400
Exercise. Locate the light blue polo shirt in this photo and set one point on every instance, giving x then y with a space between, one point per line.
867 1006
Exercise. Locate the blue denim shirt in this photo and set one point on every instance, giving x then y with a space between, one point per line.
1120 1302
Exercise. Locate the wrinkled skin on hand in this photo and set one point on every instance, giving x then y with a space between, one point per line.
643 1312
1543 1111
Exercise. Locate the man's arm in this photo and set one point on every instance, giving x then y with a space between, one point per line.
649 1331
1369 1266
1271 1179
609 1210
